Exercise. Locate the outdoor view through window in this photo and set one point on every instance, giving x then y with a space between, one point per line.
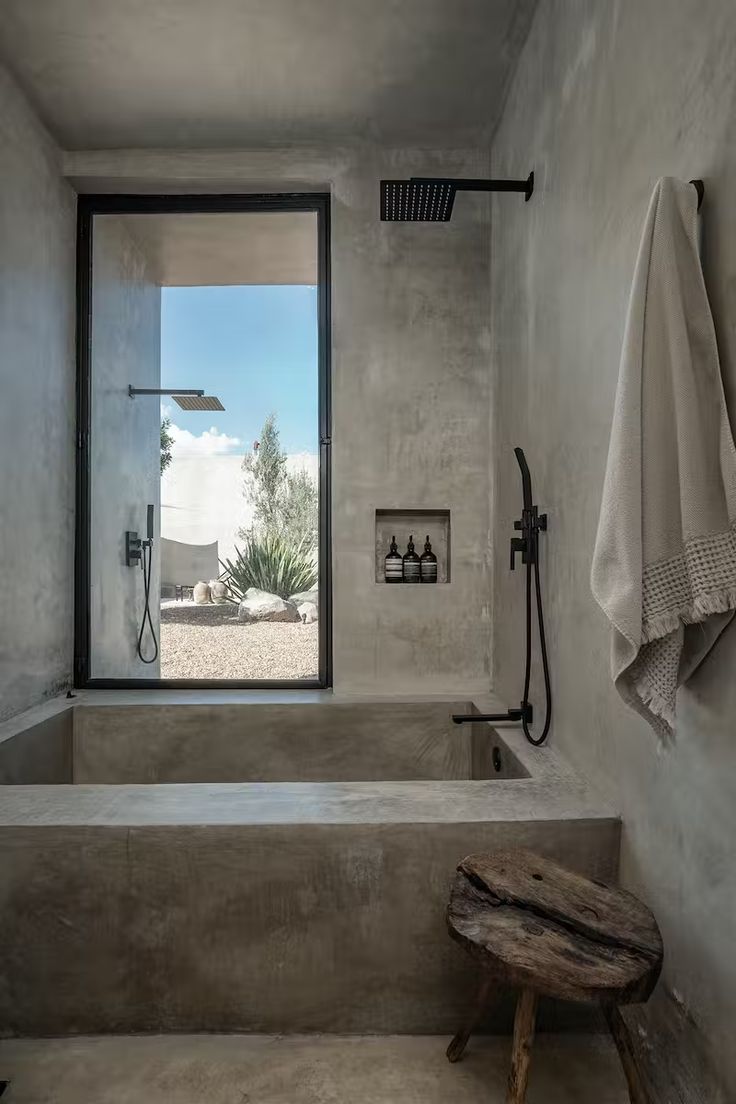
231 303
239 494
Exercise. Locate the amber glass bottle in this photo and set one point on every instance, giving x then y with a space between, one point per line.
393 571
411 564
428 564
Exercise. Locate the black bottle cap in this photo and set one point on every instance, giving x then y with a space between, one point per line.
410 545
394 547
427 545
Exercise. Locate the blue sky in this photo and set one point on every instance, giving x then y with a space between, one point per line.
253 347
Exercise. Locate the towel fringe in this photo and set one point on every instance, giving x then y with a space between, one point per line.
702 607
654 702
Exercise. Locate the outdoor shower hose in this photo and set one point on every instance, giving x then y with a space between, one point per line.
147 567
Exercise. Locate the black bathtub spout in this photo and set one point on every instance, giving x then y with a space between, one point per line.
525 713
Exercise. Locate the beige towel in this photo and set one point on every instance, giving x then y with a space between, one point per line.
664 566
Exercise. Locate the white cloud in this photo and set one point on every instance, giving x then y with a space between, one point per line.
210 443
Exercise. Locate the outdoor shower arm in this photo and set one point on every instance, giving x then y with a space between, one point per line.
132 391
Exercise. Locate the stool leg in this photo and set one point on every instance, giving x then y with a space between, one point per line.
460 1041
637 1094
526 1011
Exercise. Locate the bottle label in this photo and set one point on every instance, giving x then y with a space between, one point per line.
394 571
411 571
429 572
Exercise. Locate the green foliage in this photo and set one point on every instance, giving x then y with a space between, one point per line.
300 509
272 564
284 504
267 468
166 442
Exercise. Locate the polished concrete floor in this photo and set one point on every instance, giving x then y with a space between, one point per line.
327 1069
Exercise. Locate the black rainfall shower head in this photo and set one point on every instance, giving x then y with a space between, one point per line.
431 199
409 201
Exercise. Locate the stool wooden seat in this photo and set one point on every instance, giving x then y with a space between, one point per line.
534 925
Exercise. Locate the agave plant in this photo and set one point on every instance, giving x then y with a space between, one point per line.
270 564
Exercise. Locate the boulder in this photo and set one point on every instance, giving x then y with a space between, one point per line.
258 605
202 593
305 596
308 612
218 591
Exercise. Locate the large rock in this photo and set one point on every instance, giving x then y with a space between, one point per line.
258 605
305 596
308 612
202 594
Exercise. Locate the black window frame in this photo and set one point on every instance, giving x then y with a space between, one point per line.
108 204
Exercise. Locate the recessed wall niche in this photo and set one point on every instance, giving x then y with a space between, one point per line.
404 523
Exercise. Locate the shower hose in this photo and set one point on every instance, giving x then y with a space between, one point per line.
147 566
535 740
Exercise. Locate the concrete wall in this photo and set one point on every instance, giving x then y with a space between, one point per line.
410 388
411 393
124 443
37 235
41 754
607 98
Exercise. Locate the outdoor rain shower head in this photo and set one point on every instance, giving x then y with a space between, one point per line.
187 399
198 402
431 199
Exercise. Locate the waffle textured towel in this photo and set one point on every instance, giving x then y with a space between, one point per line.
664 566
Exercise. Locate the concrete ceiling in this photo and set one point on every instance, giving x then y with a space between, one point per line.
226 73
212 249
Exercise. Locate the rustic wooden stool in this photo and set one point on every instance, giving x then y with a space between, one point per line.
536 926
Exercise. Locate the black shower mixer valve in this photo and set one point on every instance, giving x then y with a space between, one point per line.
529 525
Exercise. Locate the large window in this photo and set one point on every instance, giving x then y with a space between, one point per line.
203 489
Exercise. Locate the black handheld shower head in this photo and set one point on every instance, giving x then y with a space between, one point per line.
526 479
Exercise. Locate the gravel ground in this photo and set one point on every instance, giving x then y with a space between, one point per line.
224 648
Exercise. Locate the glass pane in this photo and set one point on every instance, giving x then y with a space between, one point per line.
226 305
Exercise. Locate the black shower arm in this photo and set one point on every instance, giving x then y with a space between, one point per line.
471 184
475 184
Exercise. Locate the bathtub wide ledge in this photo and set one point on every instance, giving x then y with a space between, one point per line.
301 803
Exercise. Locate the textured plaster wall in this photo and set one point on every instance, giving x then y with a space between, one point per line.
124 444
37 234
608 97
410 391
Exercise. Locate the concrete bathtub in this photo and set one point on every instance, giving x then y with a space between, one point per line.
259 866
